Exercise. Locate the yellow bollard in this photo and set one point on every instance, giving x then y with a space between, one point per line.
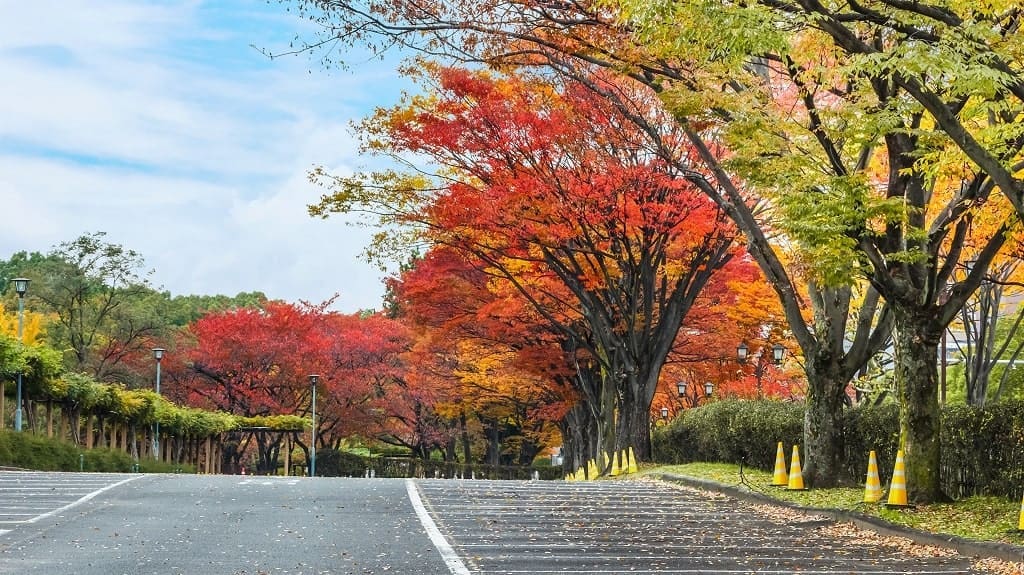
780 479
898 487
796 475
624 462
632 462
872 486
615 465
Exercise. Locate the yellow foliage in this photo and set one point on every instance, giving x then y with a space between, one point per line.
32 329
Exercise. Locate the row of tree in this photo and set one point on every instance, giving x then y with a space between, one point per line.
866 155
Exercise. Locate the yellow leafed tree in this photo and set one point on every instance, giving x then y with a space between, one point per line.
32 329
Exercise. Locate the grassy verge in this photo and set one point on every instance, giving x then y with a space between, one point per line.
980 518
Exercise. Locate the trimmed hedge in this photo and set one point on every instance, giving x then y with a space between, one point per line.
982 449
334 463
733 430
28 451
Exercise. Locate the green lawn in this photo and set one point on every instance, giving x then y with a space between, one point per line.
981 518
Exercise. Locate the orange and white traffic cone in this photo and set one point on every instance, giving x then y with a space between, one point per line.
780 478
872 486
796 475
898 487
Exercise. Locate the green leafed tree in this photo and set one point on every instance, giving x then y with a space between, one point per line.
105 310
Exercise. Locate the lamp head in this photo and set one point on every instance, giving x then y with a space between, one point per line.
21 286
778 351
158 353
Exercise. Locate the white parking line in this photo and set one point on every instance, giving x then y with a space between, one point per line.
451 559
79 501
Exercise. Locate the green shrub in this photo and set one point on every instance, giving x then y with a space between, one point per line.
730 431
29 451
334 463
982 449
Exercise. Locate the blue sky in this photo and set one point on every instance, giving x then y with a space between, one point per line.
160 124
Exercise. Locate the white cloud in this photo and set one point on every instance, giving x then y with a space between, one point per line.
166 130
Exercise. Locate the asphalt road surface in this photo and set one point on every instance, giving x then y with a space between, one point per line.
93 524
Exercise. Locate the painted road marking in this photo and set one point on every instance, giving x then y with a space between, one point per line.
451 559
643 527
28 497
82 499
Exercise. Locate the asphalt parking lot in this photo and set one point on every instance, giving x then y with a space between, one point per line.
27 497
96 524
646 527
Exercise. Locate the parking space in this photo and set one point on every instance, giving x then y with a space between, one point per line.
647 527
28 496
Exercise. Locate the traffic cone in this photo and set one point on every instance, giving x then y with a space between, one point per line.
780 479
592 469
898 487
615 465
1020 522
796 476
872 487
632 462
624 462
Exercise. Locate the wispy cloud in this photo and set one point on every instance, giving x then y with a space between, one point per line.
160 124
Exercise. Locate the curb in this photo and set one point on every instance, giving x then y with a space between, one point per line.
962 545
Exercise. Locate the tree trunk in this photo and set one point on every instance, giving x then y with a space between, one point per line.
467 453
634 429
31 418
65 417
101 430
916 349
89 437
823 433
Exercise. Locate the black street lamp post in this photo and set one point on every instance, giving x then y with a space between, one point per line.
20 286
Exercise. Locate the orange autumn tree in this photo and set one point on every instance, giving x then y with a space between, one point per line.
738 308
837 328
552 190
478 365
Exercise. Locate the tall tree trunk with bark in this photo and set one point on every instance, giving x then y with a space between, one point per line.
916 349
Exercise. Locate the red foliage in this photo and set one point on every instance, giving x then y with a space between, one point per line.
257 362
